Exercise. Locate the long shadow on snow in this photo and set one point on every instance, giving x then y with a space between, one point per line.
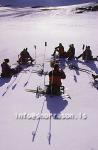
4 80
90 64
62 62
15 81
75 63
56 104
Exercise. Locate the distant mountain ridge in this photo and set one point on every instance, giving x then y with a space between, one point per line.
41 3
87 8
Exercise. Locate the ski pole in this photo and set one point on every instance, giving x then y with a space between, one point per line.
52 75
44 62
84 50
49 134
44 54
83 47
35 53
52 83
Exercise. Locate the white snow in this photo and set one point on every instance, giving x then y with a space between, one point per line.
26 27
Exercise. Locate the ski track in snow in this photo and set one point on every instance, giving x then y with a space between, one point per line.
27 27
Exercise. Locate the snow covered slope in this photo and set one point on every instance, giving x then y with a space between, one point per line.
26 27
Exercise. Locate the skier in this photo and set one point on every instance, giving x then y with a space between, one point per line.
7 71
87 54
71 52
25 57
55 83
60 50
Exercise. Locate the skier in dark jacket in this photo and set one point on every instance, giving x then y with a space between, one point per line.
60 50
55 77
71 52
87 54
7 71
25 57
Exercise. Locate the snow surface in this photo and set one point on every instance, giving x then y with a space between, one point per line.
26 27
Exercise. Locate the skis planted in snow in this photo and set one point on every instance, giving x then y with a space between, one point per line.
39 91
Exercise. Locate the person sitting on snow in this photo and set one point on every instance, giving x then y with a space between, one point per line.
70 54
60 50
55 83
7 71
25 57
87 54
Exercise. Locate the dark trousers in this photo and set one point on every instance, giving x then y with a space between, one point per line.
11 72
53 89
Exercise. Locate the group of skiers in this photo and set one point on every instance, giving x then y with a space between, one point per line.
70 54
56 74
7 71
24 58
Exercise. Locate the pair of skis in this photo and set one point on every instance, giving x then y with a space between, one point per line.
39 91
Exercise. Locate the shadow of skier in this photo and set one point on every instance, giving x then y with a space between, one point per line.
56 104
73 63
62 63
4 80
75 71
91 64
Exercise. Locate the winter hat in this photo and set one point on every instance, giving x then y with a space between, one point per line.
56 66
6 60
